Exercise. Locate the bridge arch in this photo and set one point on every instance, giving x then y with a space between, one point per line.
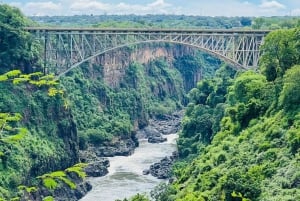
67 48
219 56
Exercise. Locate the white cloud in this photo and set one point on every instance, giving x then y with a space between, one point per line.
224 8
159 3
43 5
191 7
271 5
97 7
295 12
89 5
39 8
16 4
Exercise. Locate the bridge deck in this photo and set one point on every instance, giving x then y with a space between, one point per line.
67 47
145 30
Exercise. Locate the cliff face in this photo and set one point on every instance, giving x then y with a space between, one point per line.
51 143
118 91
115 62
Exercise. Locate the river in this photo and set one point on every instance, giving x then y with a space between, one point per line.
125 176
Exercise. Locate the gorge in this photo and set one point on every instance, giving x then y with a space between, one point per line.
239 136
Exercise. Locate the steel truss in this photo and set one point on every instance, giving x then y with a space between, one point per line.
66 48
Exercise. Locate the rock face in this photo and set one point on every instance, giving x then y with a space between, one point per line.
66 131
167 124
164 125
162 169
115 62
97 168
62 192
153 135
124 147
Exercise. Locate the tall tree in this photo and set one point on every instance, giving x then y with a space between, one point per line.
280 52
17 49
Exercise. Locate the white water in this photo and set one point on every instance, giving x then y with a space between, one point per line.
125 176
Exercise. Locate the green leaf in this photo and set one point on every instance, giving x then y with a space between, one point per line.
48 77
20 80
15 138
13 73
3 78
15 199
58 174
14 117
48 198
78 169
52 91
50 183
31 189
71 184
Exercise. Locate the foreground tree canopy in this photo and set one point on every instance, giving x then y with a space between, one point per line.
17 49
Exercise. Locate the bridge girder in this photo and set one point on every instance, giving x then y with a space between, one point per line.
67 48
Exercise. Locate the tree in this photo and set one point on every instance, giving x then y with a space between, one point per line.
9 132
16 46
280 51
247 86
290 94
258 23
246 21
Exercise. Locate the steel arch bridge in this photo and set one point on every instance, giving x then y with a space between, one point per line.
67 48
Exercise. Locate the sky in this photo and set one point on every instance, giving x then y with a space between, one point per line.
143 7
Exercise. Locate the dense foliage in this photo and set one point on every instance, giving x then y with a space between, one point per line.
204 112
255 154
37 133
104 113
171 21
275 22
42 147
240 135
17 48
145 21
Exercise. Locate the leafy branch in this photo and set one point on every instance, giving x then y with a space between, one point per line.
37 79
8 132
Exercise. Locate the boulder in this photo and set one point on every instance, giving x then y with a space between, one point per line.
162 169
146 172
159 139
124 147
97 168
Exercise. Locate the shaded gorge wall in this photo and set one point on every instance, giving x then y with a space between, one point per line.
115 93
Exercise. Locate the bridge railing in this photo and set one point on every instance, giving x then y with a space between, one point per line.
66 48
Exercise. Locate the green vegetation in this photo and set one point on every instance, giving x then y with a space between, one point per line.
146 21
17 49
111 112
137 197
204 112
240 134
103 113
36 131
275 22
23 145
170 21
253 154
48 183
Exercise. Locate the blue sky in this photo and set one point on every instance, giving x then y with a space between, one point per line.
186 7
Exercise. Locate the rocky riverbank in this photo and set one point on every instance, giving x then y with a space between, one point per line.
155 133
165 125
116 147
162 169
158 127
70 187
